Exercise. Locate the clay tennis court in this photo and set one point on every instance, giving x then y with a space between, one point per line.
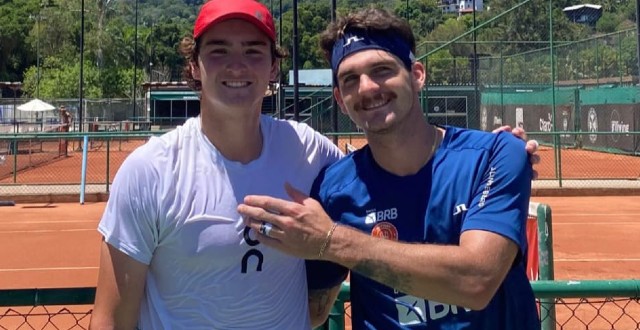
57 246
575 163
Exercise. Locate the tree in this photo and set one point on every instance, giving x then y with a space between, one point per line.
15 24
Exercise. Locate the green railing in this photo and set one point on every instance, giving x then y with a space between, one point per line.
584 304
50 163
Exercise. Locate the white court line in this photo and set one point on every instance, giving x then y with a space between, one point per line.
45 231
596 259
594 214
597 223
12 270
45 222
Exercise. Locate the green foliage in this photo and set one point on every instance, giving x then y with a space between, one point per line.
112 49
607 23
14 29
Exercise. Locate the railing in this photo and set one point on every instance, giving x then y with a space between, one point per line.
51 162
586 304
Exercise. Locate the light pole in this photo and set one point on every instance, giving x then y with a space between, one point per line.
38 55
296 108
475 62
638 37
334 103
281 94
407 9
135 61
81 88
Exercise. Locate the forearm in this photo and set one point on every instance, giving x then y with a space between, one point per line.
449 274
320 303
119 292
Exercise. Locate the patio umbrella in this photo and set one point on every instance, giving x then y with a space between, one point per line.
36 105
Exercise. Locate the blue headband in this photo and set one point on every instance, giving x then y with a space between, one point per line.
357 40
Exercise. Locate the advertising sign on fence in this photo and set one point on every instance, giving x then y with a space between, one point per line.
614 118
535 118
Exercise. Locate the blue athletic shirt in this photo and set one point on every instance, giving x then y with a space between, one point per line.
475 181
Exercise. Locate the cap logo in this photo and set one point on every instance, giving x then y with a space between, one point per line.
356 40
259 15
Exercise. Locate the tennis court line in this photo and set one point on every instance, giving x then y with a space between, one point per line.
595 259
12 270
46 222
636 223
593 214
40 231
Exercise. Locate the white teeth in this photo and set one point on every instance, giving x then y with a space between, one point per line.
375 105
236 84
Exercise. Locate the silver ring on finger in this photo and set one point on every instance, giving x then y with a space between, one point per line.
265 228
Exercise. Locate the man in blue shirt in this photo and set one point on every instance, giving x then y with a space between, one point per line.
431 220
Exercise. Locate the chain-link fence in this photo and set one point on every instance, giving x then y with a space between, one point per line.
577 305
52 163
567 75
13 120
563 305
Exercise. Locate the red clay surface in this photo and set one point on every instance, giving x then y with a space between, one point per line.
47 246
67 169
574 163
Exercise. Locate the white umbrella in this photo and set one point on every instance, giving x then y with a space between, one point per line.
36 105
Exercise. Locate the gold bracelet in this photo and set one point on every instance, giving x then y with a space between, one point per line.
327 239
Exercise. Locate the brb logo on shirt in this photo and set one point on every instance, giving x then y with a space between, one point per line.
374 216
413 310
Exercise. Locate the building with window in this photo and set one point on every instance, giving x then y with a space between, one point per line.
461 7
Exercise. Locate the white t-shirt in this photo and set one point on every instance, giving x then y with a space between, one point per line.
173 206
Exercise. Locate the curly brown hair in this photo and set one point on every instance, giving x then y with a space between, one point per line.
190 48
369 20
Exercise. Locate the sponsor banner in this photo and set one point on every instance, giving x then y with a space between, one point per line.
490 117
538 118
612 118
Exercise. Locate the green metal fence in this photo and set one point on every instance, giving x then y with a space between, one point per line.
50 163
585 304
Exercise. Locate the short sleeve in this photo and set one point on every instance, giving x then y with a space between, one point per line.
500 203
129 220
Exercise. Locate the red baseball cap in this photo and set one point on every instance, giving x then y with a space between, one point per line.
216 11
